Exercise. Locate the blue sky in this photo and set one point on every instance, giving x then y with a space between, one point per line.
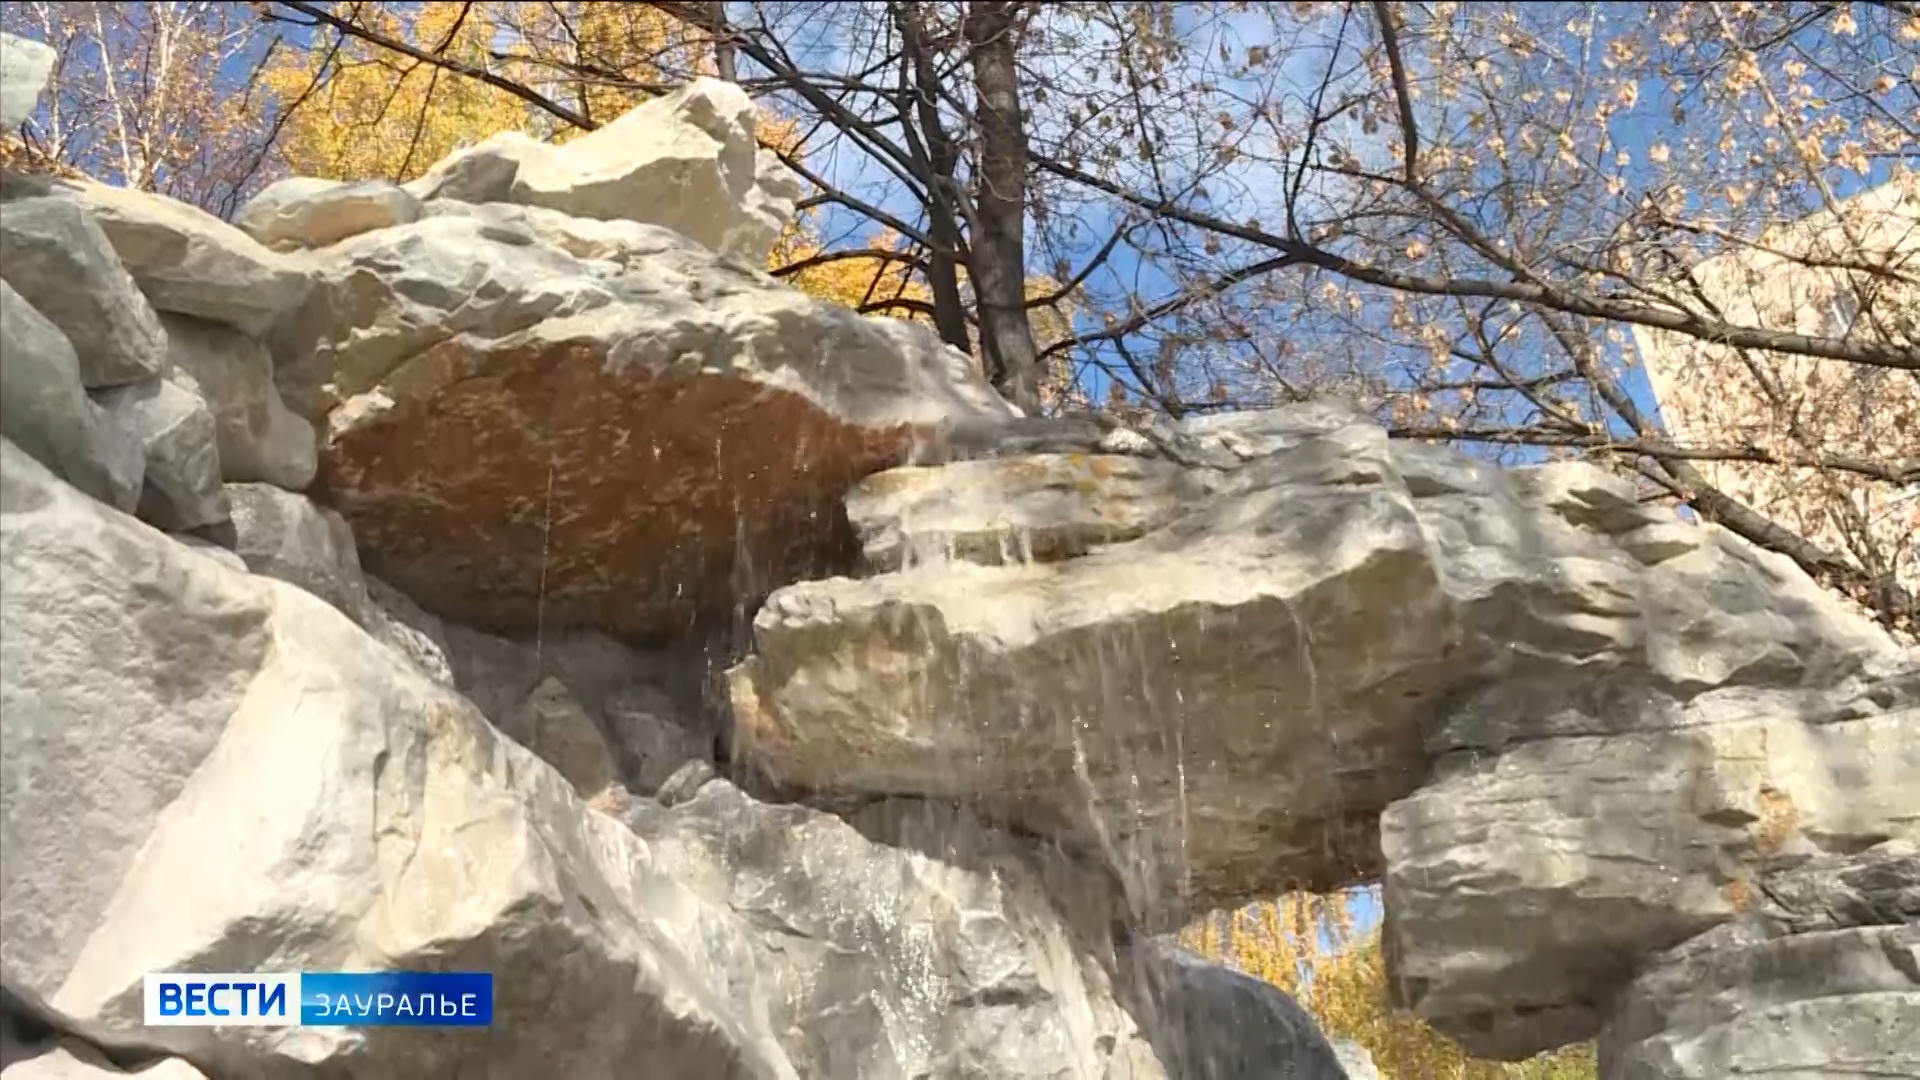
1632 130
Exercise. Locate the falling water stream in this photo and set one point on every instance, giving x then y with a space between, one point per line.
540 597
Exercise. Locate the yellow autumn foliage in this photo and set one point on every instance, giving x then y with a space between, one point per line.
1305 945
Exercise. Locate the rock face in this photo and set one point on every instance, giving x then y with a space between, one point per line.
53 254
719 938
643 712
24 67
908 941
259 438
1586 852
555 726
175 432
189 262
44 408
1049 691
1817 977
480 698
550 421
298 212
467 852
687 161
1584 715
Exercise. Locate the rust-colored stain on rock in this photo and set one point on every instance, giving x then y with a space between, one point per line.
636 502
1778 820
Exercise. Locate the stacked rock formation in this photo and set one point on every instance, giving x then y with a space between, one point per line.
498 571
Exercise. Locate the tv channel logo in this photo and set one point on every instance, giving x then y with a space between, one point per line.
321 999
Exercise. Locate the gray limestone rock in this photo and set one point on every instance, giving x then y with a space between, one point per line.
53 254
260 438
287 536
189 262
555 726
176 432
298 213
45 410
1818 975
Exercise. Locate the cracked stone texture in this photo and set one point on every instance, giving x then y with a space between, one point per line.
195 826
45 410
1560 725
53 254
1818 976
189 262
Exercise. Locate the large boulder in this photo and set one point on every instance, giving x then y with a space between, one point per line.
906 941
189 262
687 161
1207 1022
1224 706
299 212
480 173
1524 888
24 68
244 712
273 790
172 425
258 436
383 298
1817 977
546 421
53 254
45 410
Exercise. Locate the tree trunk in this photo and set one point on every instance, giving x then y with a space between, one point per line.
1000 205
723 65
943 221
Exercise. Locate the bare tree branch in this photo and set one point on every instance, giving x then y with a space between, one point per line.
353 29
1390 41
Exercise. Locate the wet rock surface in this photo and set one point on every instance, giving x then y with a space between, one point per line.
1225 704
718 937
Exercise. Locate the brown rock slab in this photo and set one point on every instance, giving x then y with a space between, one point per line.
630 469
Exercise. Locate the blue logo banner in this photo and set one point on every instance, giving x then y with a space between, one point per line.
396 999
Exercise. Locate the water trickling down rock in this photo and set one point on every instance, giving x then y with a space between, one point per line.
512 454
